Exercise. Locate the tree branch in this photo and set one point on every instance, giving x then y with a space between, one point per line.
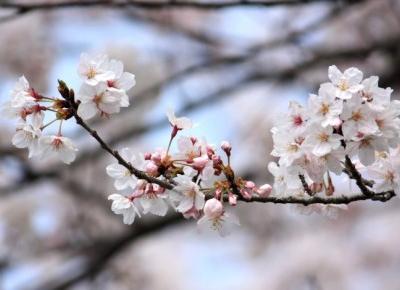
204 5
367 194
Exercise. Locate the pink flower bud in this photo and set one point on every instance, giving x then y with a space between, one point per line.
193 139
213 208
249 185
264 190
156 157
232 199
246 193
316 187
210 151
226 146
151 168
147 156
217 162
200 162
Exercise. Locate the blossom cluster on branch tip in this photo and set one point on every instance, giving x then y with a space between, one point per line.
103 91
350 117
350 120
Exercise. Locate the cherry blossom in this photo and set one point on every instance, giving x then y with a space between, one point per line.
178 123
325 107
346 83
99 99
322 140
386 174
123 177
22 94
58 146
122 81
94 69
350 126
27 136
187 194
125 206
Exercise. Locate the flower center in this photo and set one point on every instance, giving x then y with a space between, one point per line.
343 85
323 137
356 116
91 73
324 109
297 120
293 147
57 143
97 99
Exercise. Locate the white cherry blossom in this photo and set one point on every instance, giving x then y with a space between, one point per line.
122 81
27 136
94 69
58 146
346 83
357 118
324 107
187 194
22 94
322 140
180 123
285 178
386 176
98 99
123 177
125 206
296 120
375 97
288 147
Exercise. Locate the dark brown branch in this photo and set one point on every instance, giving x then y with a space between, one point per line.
305 185
353 173
342 199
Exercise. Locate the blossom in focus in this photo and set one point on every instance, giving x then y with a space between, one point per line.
123 177
27 136
324 107
94 69
346 83
187 194
58 146
98 99
22 94
322 140
178 124
125 206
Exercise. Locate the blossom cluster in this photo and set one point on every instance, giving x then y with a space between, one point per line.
103 91
28 107
351 117
196 170
350 120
